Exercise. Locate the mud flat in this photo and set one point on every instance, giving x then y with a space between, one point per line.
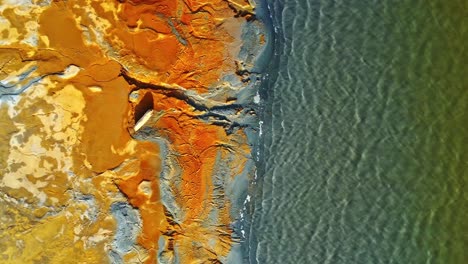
128 129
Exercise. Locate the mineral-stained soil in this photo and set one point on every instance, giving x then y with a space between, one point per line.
122 135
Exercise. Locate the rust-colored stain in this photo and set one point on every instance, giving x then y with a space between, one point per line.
105 119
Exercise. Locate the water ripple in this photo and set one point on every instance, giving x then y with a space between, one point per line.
364 157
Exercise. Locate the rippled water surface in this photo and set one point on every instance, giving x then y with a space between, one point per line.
365 144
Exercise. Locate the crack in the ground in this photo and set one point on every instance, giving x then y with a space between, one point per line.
213 114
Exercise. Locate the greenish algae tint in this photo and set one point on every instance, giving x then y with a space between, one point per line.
365 134
434 67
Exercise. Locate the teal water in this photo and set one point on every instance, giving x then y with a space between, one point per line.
364 154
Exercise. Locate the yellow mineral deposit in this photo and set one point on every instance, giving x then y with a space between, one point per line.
81 82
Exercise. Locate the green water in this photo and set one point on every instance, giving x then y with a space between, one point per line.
365 143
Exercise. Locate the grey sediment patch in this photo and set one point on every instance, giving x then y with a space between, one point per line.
128 227
264 64
264 15
93 211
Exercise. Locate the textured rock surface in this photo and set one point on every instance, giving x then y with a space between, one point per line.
123 128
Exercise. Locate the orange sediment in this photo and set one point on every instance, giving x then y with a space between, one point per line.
80 121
